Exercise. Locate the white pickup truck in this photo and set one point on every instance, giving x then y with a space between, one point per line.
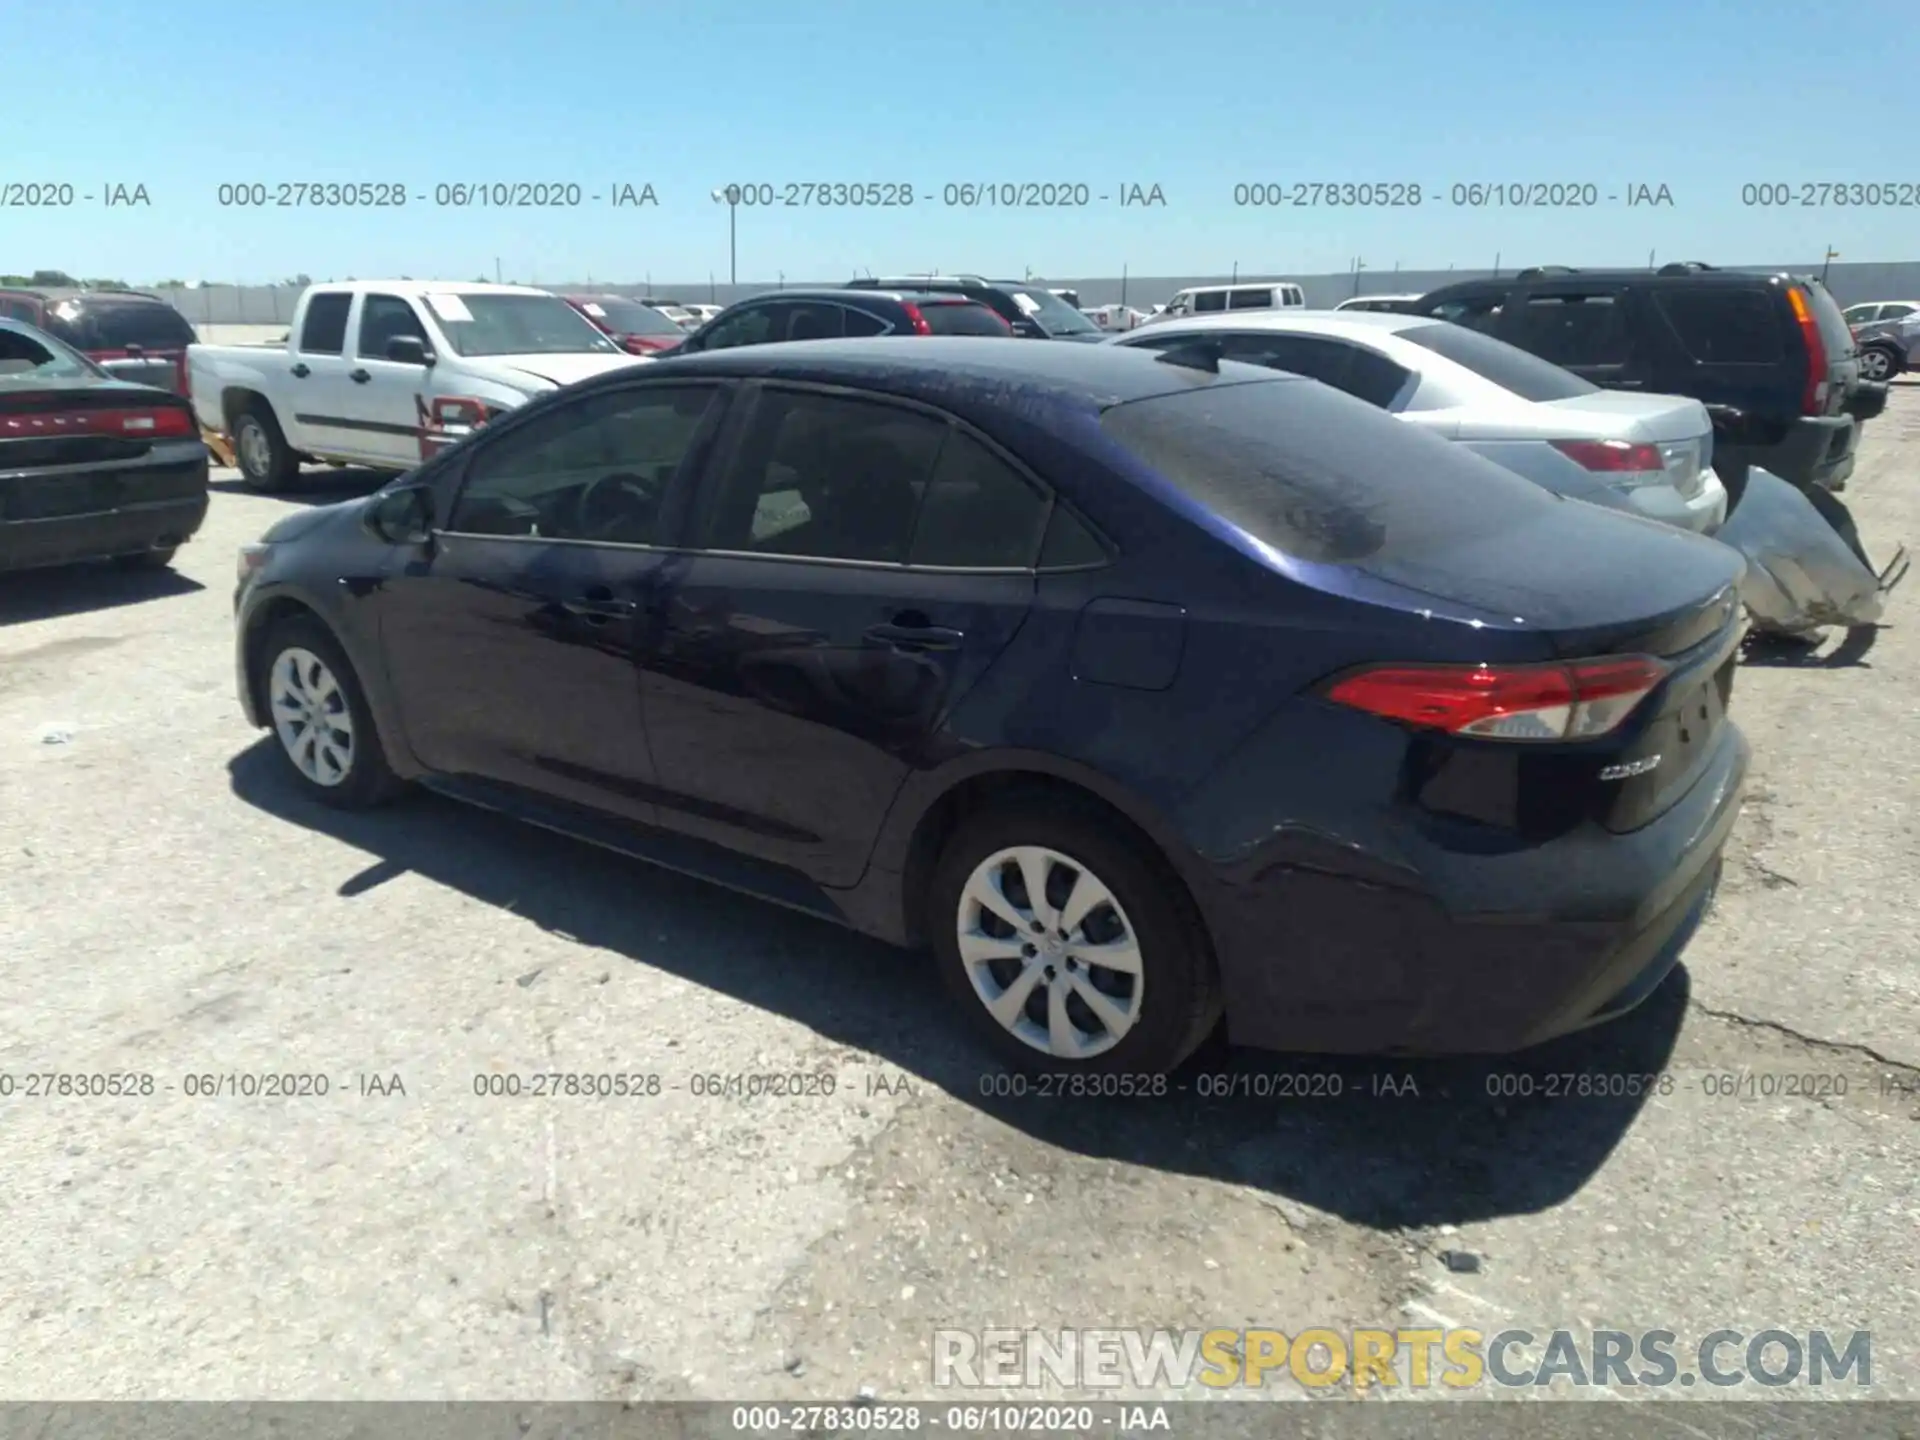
384 373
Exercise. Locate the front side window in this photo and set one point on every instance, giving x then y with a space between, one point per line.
826 477
596 469
1575 329
1479 312
384 318
752 325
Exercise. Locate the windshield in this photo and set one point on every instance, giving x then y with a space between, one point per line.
1511 368
29 355
1052 313
630 317
478 324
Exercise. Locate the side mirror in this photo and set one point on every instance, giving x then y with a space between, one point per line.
403 516
408 350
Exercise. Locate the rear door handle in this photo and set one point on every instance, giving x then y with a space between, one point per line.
360 377
917 637
301 372
597 605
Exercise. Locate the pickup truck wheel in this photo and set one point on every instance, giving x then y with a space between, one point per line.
266 461
1878 363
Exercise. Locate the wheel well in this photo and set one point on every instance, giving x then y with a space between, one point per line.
260 625
232 402
982 792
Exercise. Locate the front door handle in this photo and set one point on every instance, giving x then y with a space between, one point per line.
597 605
301 371
917 637
360 377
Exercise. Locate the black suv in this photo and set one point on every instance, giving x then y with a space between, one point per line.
837 314
1769 355
1032 312
128 333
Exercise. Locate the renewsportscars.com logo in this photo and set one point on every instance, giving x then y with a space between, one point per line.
1459 1359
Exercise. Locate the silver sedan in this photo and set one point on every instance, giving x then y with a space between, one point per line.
1652 452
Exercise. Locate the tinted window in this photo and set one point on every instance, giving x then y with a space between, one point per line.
323 331
17 310
1729 327
1507 366
1364 374
826 477
977 511
966 319
110 326
1069 543
1250 300
1574 329
750 326
1480 313
1058 317
384 318
1208 301
812 322
39 356
630 317
860 323
596 469
1319 475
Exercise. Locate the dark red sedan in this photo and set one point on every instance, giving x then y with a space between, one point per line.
636 328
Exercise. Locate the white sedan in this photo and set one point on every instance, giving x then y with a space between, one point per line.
1650 453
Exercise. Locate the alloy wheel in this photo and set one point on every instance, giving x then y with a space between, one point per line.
1874 365
311 716
1050 952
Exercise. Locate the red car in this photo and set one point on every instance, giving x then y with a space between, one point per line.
128 333
638 329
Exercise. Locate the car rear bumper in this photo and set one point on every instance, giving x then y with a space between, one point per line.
1317 956
95 535
1816 450
1702 513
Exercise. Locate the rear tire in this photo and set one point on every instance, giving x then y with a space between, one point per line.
1880 362
1131 988
147 559
267 463
323 727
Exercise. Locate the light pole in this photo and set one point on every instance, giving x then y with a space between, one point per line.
1832 255
731 198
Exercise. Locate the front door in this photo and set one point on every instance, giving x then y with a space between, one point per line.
511 643
1586 330
384 396
857 566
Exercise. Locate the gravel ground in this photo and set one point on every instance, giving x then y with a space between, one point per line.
170 908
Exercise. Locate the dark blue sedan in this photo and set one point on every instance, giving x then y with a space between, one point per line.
1140 688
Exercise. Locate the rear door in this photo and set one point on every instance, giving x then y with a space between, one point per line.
857 565
317 388
384 398
1586 329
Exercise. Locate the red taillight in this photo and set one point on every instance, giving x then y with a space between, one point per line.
164 423
915 318
1611 456
1576 701
1813 399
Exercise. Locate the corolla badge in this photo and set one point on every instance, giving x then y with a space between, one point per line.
1631 768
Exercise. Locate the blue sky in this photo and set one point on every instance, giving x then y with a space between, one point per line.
1195 96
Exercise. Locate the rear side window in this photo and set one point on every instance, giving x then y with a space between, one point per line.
1723 327
1250 300
860 323
1575 329
1319 475
1069 544
966 319
1507 366
323 331
1895 312
978 511
814 322
150 325
1209 302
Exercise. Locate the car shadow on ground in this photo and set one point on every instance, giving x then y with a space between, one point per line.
1388 1144
76 589
1775 653
321 485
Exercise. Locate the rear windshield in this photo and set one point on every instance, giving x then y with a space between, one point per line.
152 325
1507 366
1320 476
630 317
27 356
968 319
1054 314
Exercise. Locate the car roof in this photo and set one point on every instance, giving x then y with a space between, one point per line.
70 292
430 287
1305 322
1101 375
938 297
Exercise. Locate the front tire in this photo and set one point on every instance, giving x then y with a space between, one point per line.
322 725
1071 948
267 463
